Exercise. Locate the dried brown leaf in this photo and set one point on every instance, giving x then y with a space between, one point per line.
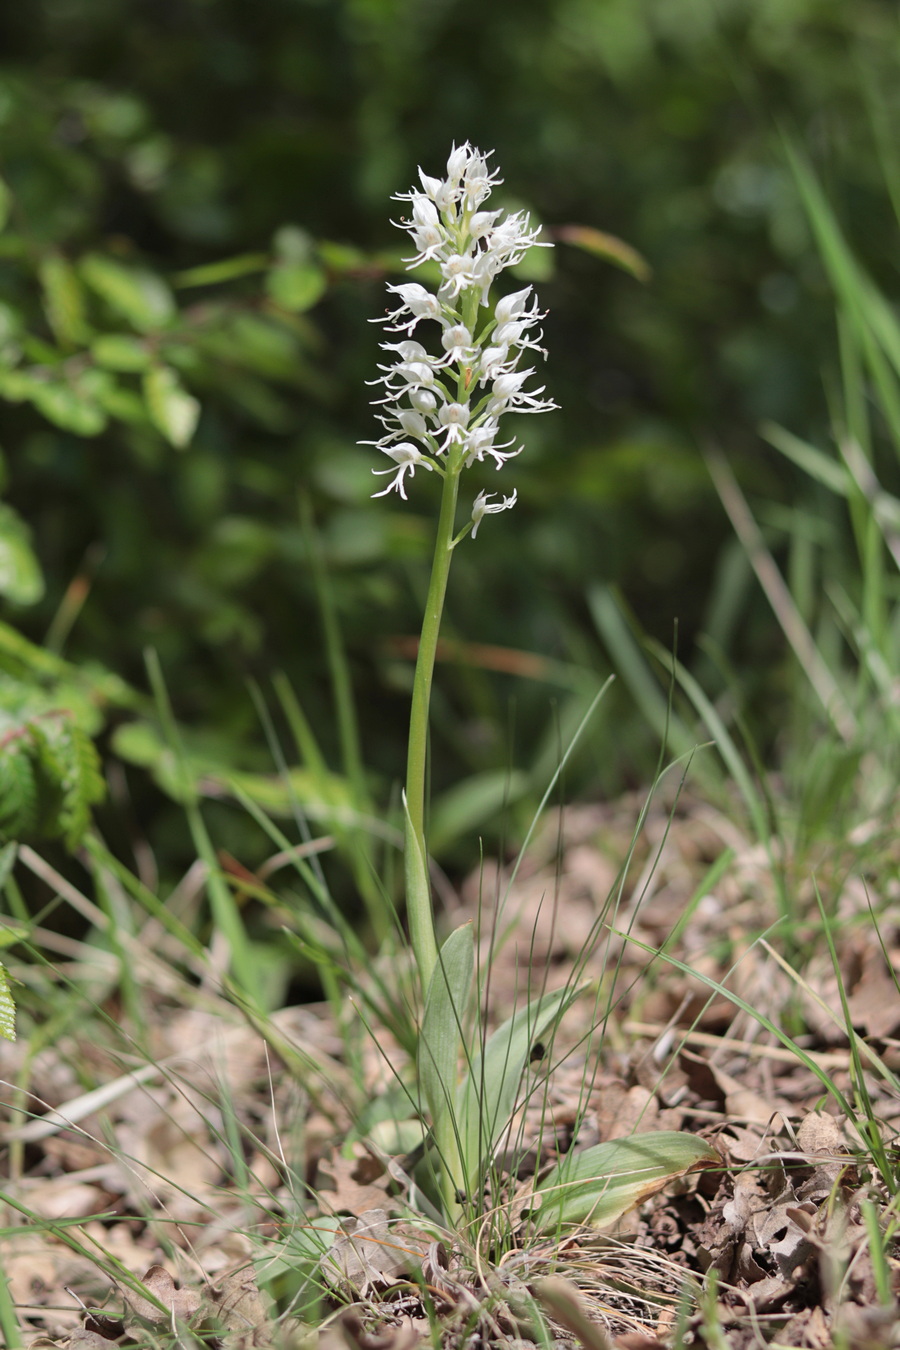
181 1304
238 1309
368 1253
874 1003
743 1103
820 1133
352 1185
82 1339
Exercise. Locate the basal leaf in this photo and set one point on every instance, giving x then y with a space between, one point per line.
445 1009
599 1185
490 1092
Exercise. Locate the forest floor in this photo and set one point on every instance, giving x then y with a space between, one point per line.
204 1159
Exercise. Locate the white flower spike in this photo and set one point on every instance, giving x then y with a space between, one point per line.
449 405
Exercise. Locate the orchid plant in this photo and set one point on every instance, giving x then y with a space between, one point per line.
440 411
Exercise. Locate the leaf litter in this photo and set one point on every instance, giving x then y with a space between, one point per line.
218 1194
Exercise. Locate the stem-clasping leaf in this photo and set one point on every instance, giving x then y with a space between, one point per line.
446 1004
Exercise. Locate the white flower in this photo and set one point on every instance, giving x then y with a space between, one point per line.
457 343
512 238
514 334
424 211
513 306
507 395
416 302
430 186
495 361
423 400
410 422
482 508
480 442
482 222
409 457
459 274
457 163
430 242
478 179
409 351
454 418
417 374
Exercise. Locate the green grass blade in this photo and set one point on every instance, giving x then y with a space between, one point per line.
868 1127
549 790
606 612
819 466
880 1268
807 1060
9 1322
341 684
226 915
792 624
723 740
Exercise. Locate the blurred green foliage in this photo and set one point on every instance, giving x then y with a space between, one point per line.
195 209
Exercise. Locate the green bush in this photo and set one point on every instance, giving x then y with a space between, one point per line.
194 239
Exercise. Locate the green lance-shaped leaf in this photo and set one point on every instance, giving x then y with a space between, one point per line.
7 1009
601 1184
67 405
20 575
120 351
296 286
172 409
490 1092
63 298
138 295
445 1009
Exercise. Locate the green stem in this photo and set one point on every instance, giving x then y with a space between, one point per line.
418 889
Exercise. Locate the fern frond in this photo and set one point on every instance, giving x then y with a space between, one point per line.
7 1008
18 785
